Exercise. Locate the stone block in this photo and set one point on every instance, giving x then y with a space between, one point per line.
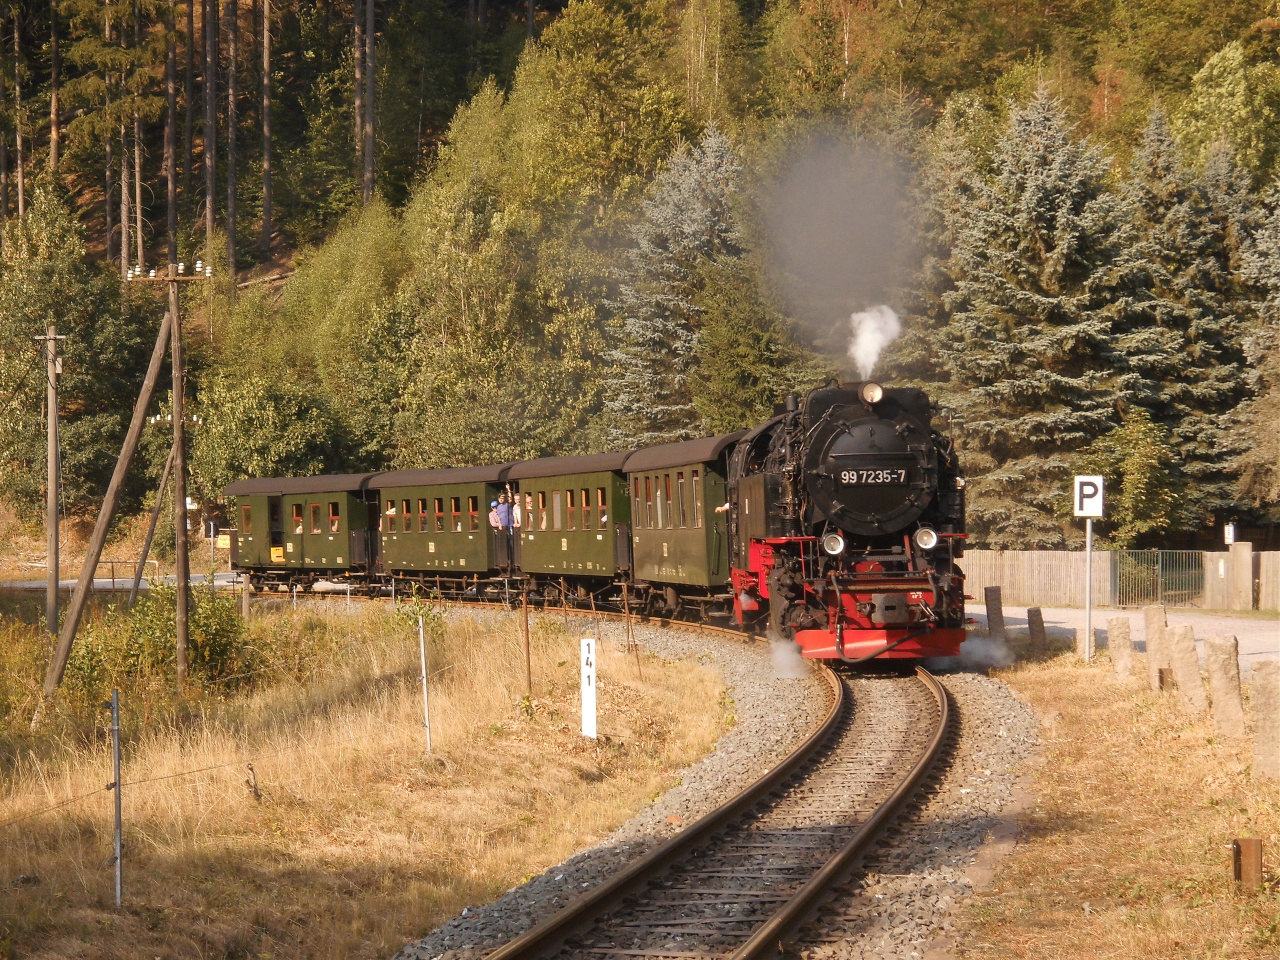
1265 704
1180 643
1035 627
1154 619
1120 643
995 612
1222 657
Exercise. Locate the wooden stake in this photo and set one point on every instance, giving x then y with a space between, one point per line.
528 664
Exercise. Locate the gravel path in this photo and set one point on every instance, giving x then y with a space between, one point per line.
897 906
773 715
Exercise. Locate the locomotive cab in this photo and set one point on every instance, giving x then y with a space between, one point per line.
848 510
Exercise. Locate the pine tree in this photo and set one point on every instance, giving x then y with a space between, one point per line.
687 221
1038 268
1186 350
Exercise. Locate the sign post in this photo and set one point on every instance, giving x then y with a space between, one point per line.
589 688
1088 504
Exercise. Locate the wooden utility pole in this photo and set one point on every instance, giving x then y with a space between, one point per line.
182 568
52 369
75 610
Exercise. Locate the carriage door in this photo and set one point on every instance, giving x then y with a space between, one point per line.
373 511
275 512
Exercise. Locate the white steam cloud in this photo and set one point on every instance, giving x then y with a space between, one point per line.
873 330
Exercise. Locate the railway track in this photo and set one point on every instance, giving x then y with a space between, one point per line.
739 881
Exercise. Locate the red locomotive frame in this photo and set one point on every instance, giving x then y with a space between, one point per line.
850 635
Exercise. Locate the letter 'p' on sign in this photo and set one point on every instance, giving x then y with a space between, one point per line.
1088 497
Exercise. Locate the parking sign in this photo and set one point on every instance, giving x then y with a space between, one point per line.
1088 497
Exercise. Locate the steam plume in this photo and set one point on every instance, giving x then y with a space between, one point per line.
873 330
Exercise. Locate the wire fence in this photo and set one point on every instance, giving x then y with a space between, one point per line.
1174 578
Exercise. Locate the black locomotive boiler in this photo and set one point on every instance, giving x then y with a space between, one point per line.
836 524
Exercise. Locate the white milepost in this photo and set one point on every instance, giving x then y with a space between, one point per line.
589 688
1088 504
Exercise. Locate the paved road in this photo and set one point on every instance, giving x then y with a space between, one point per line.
1258 638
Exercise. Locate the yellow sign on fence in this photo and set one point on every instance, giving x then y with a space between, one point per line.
224 541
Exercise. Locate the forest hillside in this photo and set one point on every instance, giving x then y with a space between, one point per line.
445 233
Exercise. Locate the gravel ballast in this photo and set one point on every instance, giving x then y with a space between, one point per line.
896 907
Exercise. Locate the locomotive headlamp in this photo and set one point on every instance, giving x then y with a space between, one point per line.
833 543
872 392
926 538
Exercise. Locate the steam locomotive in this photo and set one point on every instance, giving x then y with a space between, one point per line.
837 524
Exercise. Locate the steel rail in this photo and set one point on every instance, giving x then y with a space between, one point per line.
768 939
549 935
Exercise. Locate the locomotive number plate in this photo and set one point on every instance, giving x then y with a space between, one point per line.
864 478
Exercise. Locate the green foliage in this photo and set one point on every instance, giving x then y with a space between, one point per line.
1143 492
1235 98
134 649
255 426
46 277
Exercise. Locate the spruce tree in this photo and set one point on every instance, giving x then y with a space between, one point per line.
687 223
1038 267
1185 348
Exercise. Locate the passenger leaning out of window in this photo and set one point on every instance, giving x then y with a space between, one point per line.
494 521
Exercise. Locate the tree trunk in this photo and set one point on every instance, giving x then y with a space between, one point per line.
233 66
108 200
357 56
55 113
188 132
266 126
171 131
19 158
137 188
126 213
210 120
529 20
369 37
4 188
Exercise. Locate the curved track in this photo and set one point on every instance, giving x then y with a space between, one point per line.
740 880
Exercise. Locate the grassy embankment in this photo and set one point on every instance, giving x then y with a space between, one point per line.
359 839
1127 851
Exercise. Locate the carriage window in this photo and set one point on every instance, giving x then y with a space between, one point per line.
680 497
439 514
315 518
542 509
648 502
602 508
586 509
573 513
455 510
389 520
335 517
473 513
528 510
246 519
406 516
671 510
657 495
635 514
422 515
697 502
555 510
297 518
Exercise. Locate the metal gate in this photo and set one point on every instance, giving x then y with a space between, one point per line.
1172 577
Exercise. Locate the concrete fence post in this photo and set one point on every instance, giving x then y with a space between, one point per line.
1241 576
1155 623
1121 645
1180 643
1265 679
995 612
1222 657
1039 647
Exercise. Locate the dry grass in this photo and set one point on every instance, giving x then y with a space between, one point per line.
361 840
1127 854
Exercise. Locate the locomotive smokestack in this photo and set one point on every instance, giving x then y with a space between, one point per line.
873 330
792 402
